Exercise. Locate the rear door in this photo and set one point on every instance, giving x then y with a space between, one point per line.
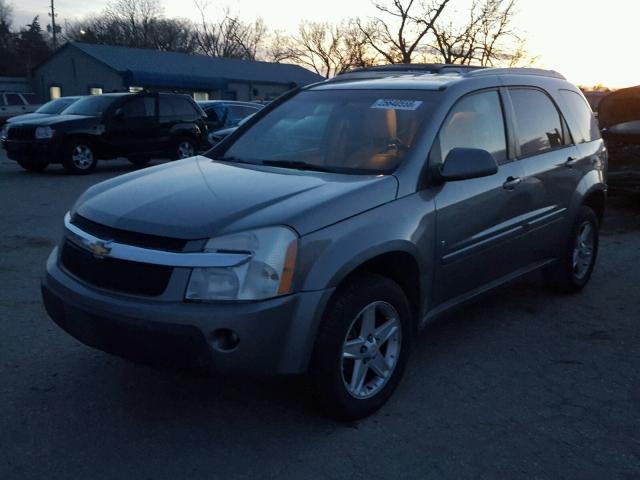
552 166
136 131
479 224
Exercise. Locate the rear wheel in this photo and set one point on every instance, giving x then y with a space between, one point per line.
79 157
362 347
184 148
575 267
33 165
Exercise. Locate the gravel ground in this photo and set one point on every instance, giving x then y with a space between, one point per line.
521 384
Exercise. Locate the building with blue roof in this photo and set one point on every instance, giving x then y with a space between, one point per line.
82 69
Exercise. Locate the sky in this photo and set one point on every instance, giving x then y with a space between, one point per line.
589 42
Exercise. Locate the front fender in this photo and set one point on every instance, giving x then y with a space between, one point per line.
407 225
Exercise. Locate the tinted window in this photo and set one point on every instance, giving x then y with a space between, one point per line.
351 131
584 124
13 99
538 121
91 106
476 121
183 107
140 107
166 107
56 106
217 113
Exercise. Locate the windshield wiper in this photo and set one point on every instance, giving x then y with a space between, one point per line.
297 164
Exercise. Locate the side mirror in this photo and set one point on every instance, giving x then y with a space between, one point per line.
466 163
118 114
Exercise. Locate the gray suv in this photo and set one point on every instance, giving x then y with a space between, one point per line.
335 224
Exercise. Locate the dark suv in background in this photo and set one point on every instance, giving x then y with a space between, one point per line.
137 126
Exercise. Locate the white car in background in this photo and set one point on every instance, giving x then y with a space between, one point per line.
17 103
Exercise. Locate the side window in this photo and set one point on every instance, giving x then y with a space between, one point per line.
166 107
140 107
539 124
476 121
183 107
13 99
584 123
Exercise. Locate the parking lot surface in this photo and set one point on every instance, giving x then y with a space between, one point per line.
521 384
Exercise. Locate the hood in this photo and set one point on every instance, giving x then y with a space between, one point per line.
51 120
621 106
200 198
28 117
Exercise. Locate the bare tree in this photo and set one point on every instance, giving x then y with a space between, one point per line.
487 38
229 36
398 37
134 23
326 49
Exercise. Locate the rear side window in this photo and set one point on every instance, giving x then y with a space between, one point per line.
538 121
166 107
238 112
584 124
13 99
140 107
476 121
183 107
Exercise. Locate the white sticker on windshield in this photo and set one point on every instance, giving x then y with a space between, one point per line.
390 104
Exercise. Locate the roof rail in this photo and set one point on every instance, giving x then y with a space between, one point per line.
517 71
381 71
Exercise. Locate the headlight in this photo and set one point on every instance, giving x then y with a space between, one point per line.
268 272
44 132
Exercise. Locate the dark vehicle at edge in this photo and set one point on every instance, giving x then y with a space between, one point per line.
619 118
138 126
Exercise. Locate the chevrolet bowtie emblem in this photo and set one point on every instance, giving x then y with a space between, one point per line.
100 249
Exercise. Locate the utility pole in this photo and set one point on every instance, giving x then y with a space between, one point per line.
54 30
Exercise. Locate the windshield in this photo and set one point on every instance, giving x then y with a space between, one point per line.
93 106
349 131
56 106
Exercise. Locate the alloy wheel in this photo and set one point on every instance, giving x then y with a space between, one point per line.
371 349
82 157
583 250
186 149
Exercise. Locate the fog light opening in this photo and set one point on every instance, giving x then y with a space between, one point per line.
225 340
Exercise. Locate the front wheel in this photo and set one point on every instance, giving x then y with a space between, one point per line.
362 347
79 157
574 268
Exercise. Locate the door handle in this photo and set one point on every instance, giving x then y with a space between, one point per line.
570 162
511 183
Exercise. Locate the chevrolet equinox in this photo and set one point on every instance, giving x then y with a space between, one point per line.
331 227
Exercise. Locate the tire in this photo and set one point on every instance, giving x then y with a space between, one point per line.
575 266
79 157
333 375
33 165
183 147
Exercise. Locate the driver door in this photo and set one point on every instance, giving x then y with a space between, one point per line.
479 222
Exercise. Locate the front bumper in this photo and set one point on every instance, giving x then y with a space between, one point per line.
42 150
276 336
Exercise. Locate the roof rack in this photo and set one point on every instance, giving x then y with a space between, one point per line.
518 71
381 71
